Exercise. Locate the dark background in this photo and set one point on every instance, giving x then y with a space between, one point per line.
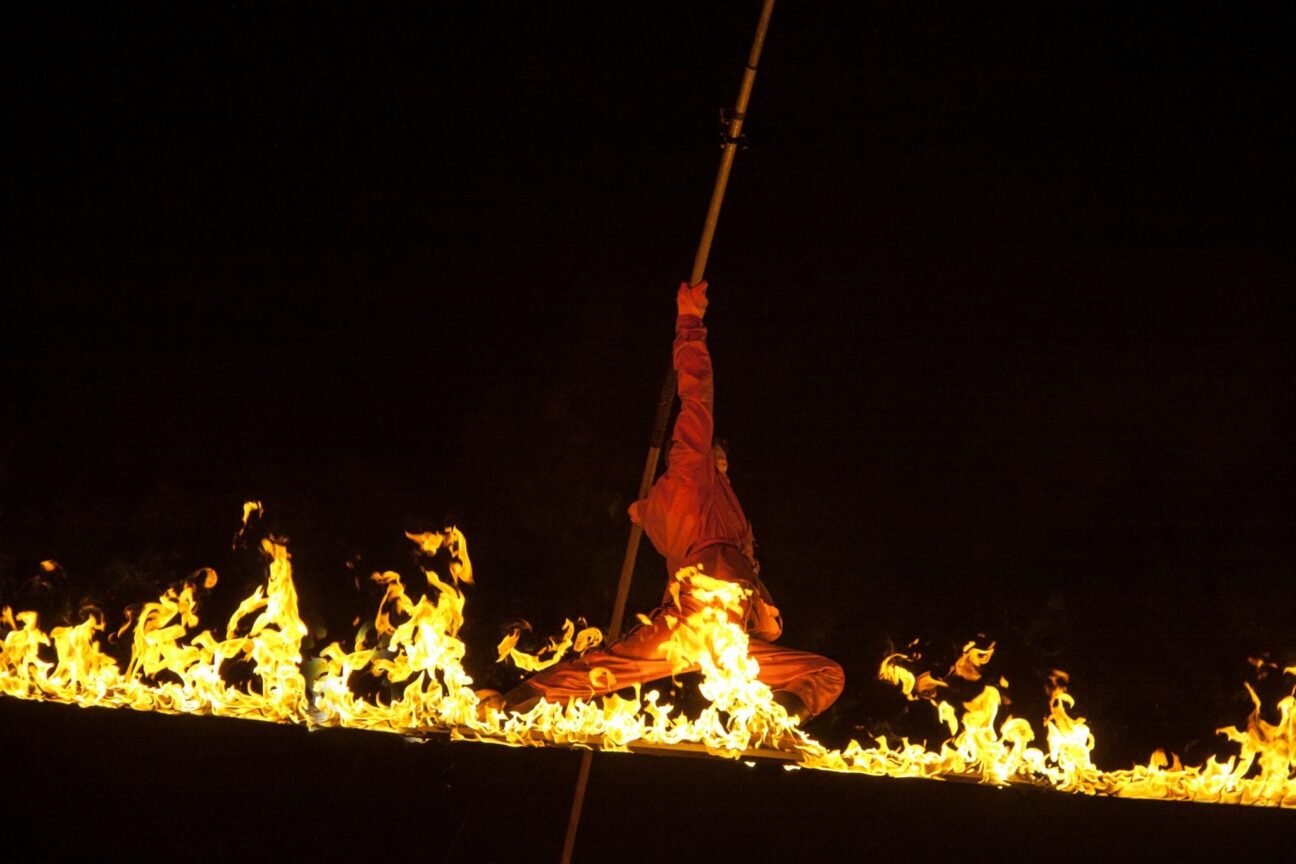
1001 311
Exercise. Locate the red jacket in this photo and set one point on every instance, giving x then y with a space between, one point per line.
692 506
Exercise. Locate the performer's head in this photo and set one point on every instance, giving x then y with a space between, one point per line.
720 450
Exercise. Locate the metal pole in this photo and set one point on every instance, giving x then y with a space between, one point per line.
666 398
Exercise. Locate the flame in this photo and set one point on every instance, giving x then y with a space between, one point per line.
412 648
1263 773
968 665
171 670
551 654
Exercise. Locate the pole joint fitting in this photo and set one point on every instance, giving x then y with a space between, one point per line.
728 117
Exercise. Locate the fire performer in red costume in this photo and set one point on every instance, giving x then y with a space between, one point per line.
693 518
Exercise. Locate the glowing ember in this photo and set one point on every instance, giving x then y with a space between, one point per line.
413 646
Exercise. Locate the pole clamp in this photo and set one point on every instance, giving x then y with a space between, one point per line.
727 117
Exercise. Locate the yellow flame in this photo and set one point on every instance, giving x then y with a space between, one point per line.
171 670
968 665
452 540
552 653
413 647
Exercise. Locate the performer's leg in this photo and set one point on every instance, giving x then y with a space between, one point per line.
598 672
814 681
635 658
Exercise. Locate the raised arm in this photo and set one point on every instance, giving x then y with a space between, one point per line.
694 430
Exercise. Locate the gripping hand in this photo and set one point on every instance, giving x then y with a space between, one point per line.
692 299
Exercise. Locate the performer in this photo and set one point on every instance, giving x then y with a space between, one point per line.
693 518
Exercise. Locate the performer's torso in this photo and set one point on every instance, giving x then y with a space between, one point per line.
684 515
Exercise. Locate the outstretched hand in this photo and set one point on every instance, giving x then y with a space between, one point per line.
692 299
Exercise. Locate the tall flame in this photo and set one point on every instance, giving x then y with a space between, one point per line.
413 647
170 669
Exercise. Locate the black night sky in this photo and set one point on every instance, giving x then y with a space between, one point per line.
1002 317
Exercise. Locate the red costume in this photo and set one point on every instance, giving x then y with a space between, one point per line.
693 517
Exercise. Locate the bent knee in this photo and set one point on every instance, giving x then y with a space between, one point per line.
834 677
829 681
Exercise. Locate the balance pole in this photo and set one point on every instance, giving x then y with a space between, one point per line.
666 399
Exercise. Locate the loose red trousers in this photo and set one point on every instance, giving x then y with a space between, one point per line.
638 657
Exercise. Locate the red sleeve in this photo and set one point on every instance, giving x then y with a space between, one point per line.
695 426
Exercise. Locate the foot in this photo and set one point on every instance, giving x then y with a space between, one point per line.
793 704
522 698
487 700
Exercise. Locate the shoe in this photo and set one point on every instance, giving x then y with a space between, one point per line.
793 704
488 700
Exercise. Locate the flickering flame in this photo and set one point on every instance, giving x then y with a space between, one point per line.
552 653
163 642
413 646
968 665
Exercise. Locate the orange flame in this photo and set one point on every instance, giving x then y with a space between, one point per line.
413 645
